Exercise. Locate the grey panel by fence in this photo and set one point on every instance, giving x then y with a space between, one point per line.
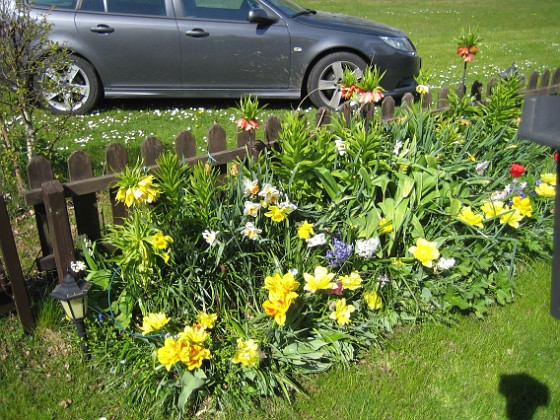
540 120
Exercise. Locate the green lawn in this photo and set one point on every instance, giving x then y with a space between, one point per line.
470 370
524 32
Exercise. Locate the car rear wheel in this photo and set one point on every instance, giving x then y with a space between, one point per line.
323 83
78 88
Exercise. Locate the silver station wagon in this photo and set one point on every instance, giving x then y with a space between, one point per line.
218 49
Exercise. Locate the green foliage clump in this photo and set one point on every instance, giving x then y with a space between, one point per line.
227 286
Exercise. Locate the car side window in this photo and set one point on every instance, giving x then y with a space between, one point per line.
218 9
93 6
56 4
137 7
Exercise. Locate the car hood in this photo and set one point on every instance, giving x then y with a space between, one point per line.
340 22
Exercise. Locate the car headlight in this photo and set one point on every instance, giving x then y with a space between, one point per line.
402 44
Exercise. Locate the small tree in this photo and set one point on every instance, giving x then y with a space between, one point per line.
27 56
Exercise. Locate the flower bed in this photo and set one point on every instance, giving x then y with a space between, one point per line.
225 288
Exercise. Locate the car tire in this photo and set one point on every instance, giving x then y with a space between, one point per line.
323 83
81 78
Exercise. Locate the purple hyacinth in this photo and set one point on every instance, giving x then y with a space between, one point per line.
341 252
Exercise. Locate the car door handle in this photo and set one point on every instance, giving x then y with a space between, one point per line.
197 33
102 29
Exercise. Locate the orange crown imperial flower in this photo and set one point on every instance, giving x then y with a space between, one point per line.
370 97
247 125
467 45
467 53
348 91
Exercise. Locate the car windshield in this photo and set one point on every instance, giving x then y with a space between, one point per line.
287 7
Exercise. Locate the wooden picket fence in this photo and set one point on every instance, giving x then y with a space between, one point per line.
49 197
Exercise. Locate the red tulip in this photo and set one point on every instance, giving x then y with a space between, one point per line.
516 170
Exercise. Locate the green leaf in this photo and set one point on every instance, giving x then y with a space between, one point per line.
431 161
189 383
100 278
406 185
333 336
426 293
381 181
124 307
328 181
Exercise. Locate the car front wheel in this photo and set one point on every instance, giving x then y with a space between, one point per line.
324 81
75 90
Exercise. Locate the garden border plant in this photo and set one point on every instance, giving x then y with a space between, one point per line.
232 288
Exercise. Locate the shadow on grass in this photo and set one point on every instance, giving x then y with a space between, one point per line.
524 394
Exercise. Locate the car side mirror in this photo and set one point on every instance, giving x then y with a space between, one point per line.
260 17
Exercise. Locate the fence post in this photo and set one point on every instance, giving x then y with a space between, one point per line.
185 145
532 82
556 77
38 171
368 112
116 158
151 150
346 110
388 108
85 206
59 226
443 101
407 100
554 88
246 138
545 79
272 128
426 100
217 142
13 269
490 86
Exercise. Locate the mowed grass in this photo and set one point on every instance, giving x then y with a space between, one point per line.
471 370
520 31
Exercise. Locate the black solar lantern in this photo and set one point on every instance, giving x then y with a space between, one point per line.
540 122
72 295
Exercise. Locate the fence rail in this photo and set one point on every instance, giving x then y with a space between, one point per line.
48 196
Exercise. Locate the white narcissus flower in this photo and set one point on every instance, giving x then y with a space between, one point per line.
316 240
250 231
397 148
445 263
290 207
422 89
250 187
251 209
269 193
77 266
210 236
365 248
340 146
481 167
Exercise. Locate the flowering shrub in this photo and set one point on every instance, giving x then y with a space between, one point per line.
227 288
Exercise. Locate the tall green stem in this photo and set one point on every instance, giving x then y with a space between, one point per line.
464 76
